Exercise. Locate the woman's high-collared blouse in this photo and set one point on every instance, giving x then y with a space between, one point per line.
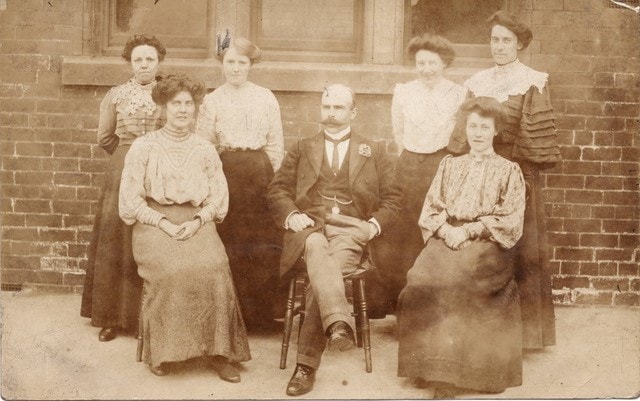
485 191
127 112
243 118
423 118
172 168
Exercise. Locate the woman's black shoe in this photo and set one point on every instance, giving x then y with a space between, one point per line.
107 334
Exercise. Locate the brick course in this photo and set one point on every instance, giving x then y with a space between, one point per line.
52 170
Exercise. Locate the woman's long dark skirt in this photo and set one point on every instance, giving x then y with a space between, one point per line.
459 318
398 248
533 273
252 240
112 287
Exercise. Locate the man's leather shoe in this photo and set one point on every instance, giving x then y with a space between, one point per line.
158 371
107 334
302 380
340 336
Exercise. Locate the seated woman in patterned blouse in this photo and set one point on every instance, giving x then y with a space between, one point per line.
459 314
174 193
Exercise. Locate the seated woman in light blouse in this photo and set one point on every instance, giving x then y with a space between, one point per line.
459 315
174 193
242 120
423 114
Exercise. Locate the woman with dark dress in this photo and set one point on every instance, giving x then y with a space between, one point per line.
174 193
459 314
242 120
423 114
111 294
529 138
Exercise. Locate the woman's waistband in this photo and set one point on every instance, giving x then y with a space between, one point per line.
458 223
442 151
240 149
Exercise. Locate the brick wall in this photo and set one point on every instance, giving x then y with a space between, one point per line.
592 53
52 171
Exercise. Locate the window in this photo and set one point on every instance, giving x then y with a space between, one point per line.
303 30
183 26
460 21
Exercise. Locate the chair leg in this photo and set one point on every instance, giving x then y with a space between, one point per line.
364 320
355 293
288 323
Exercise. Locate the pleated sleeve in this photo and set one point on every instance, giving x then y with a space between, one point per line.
537 140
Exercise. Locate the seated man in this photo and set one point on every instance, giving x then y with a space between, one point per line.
334 192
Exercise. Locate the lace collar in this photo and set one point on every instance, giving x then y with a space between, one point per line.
135 96
502 81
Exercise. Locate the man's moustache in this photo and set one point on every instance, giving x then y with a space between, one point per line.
328 121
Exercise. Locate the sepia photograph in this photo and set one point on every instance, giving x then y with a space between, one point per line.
319 199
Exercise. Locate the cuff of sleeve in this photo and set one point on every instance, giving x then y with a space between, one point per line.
204 215
150 217
375 223
286 221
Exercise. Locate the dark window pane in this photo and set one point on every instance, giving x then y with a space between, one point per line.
460 21
180 24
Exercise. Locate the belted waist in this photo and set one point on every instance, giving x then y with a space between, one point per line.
239 149
458 223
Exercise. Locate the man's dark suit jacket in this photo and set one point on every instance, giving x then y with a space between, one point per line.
374 189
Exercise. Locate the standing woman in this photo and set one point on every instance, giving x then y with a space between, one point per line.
111 295
242 120
423 114
529 138
173 192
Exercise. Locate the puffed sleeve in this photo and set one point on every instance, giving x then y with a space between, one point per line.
216 204
434 210
397 119
507 218
206 124
275 140
537 139
107 138
132 202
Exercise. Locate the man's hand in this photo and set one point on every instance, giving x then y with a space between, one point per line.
299 221
188 229
169 228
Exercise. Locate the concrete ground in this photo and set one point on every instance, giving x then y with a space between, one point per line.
50 352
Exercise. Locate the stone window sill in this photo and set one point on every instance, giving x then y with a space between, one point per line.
277 76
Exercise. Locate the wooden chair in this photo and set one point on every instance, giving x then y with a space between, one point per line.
357 283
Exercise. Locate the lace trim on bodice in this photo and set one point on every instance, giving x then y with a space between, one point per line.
512 79
135 97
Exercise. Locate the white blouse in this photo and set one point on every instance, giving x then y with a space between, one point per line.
423 118
243 118
172 168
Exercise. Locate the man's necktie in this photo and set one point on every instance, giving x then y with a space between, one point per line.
335 157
